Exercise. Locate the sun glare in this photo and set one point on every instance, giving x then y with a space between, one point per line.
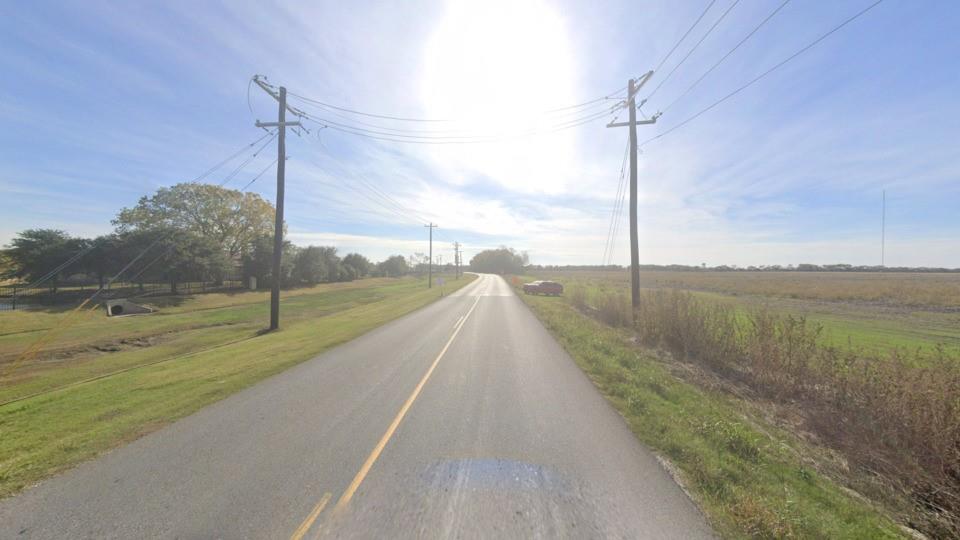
497 65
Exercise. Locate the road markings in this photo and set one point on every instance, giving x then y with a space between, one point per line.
362 473
456 324
305 526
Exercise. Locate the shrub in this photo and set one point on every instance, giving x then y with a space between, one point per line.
896 414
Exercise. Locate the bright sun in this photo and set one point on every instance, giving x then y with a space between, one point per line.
497 65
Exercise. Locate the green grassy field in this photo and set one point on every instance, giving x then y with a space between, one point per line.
751 478
146 371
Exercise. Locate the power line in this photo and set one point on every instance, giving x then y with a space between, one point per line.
455 139
616 203
724 57
695 46
221 184
371 134
618 220
459 132
442 120
395 210
368 190
213 169
35 347
77 256
685 34
259 174
247 161
764 74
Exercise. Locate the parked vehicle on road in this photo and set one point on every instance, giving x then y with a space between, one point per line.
551 288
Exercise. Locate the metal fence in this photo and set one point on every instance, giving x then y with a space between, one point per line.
13 297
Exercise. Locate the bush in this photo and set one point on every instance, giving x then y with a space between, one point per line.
896 414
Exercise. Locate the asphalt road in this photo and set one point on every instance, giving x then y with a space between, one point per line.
464 419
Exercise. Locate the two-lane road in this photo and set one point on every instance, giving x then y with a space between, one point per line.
463 419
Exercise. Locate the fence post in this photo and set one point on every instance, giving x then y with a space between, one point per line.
14 298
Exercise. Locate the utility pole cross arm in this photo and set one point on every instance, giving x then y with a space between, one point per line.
628 124
260 124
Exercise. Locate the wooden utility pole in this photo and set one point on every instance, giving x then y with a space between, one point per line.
456 258
431 226
883 232
634 86
281 125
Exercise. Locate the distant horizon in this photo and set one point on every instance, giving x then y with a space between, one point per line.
101 109
411 247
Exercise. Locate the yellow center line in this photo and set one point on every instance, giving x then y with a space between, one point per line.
305 526
362 473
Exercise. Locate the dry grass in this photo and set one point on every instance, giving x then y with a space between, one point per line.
922 290
894 415
752 479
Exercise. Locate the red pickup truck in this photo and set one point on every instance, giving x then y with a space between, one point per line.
551 288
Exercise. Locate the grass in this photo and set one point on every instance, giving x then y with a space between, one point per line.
202 362
881 417
922 290
863 310
751 479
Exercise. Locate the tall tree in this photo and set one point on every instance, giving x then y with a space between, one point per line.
314 264
502 260
258 262
232 219
178 256
394 266
36 252
359 264
103 259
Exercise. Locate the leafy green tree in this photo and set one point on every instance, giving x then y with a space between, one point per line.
345 272
258 262
394 266
315 264
502 260
104 258
232 219
358 263
36 252
191 257
311 266
171 256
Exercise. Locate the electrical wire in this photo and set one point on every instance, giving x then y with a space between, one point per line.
77 256
764 74
610 96
259 174
727 55
695 46
35 347
618 220
380 198
247 161
616 202
685 34
371 134
459 132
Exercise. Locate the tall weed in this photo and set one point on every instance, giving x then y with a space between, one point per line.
895 414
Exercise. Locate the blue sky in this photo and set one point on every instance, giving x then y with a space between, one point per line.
105 102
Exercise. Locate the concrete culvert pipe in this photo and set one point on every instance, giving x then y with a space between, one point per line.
121 307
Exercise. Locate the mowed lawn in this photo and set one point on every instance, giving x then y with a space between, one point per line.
103 381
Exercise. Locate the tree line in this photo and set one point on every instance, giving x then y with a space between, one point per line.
187 232
803 267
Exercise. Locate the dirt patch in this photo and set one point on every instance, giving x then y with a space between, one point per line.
127 343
